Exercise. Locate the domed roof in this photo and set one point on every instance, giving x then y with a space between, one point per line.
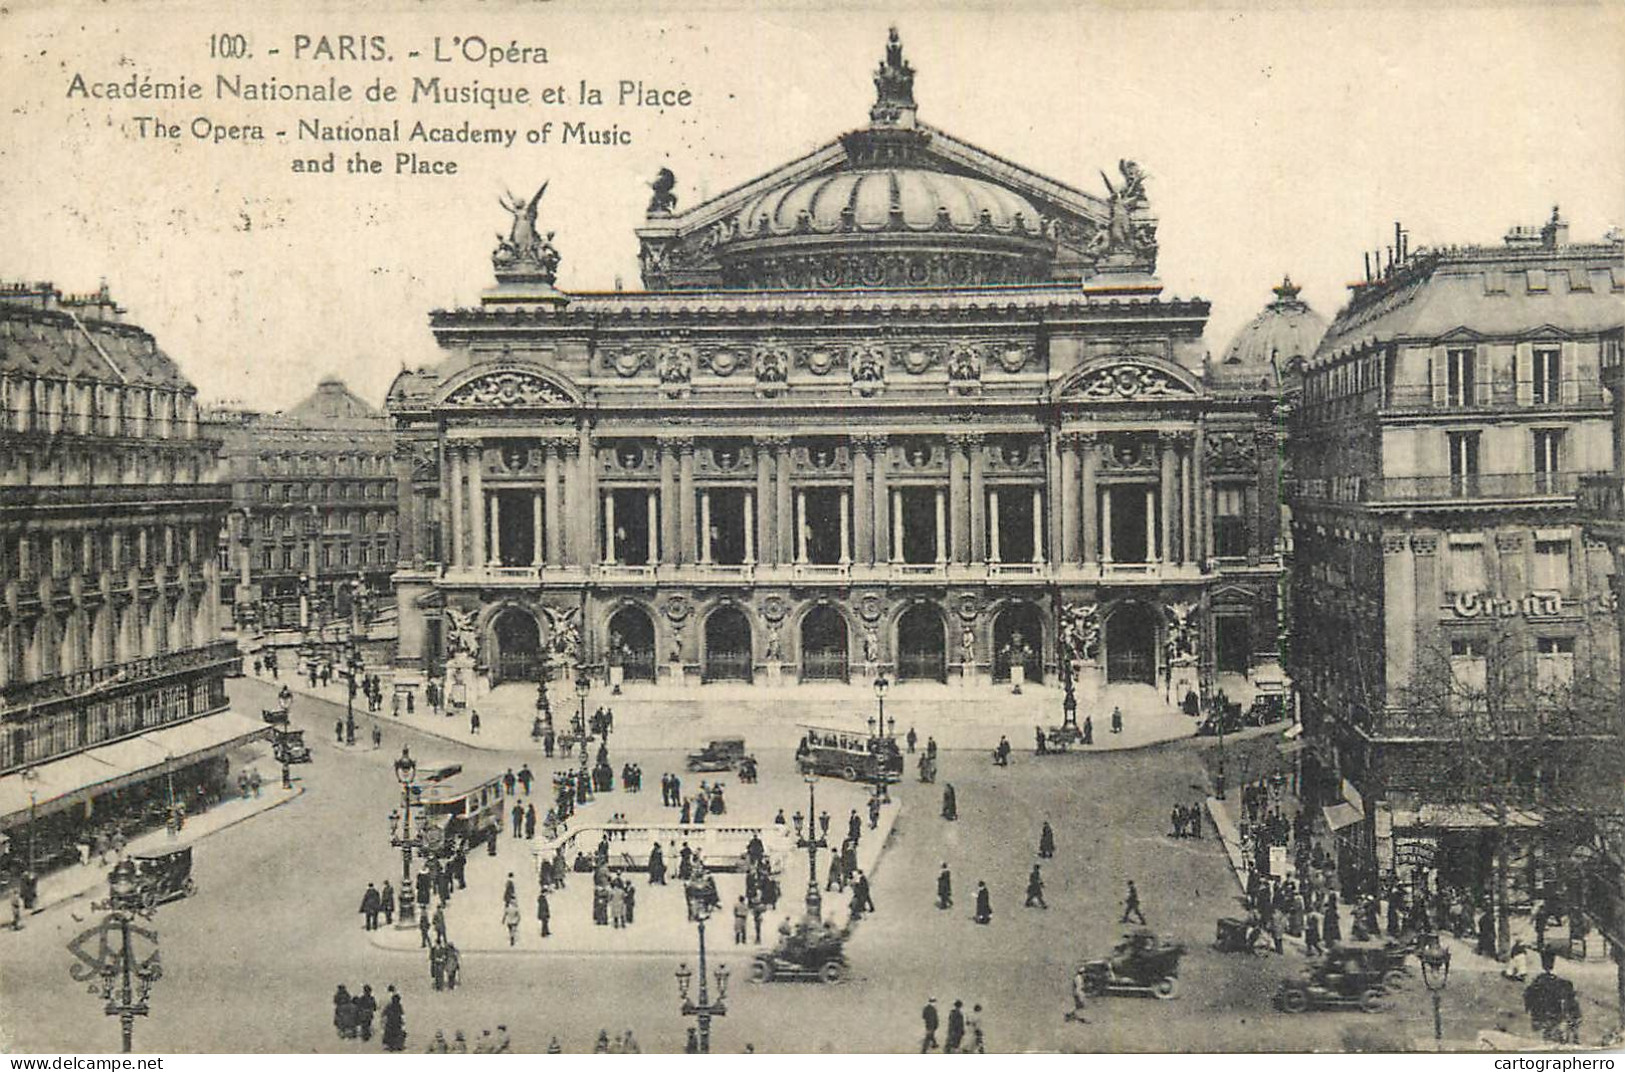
887 199
1286 329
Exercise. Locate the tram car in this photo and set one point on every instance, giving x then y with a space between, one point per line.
857 757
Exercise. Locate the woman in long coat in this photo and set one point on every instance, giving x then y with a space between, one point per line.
394 1025
1331 928
950 804
984 904
343 1012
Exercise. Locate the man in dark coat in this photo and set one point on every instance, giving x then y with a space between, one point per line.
366 1006
1131 905
423 926
854 826
388 898
543 913
1088 729
928 1015
1046 841
950 803
394 1024
956 1028
657 866
371 905
984 904
1553 1008
1035 889
945 888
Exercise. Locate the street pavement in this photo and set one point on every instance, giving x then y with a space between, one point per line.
251 962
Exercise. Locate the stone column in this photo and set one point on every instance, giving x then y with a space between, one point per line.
454 514
942 527
1069 500
1088 444
897 525
670 546
1106 525
846 529
995 553
1151 524
801 526
552 500
495 500
586 459
538 550
685 501
651 527
1038 526
705 527
609 528
863 510
784 524
1167 443
764 502
978 498
245 550
476 506
573 503
749 521
958 507
1187 536
882 505
1202 537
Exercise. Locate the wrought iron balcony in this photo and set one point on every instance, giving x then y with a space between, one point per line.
1495 394
1416 489
134 671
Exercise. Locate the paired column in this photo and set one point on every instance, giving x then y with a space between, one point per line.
995 552
551 496
495 557
1169 444
1069 499
846 529
669 545
476 505
750 529
978 498
959 508
801 527
685 501
1151 525
1203 537
1106 525
587 473
784 525
538 552
863 508
1088 445
942 527
454 519
764 503
1038 525
897 525
609 528
882 506
705 527
1187 549
651 527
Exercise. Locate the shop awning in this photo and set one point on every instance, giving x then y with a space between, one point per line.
1464 817
61 783
1341 814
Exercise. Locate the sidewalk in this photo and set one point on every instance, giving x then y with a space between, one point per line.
81 880
767 717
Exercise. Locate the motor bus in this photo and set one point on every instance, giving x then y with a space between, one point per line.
857 757
458 808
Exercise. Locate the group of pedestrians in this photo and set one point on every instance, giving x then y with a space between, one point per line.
1186 822
499 1042
963 1032
353 1016
377 902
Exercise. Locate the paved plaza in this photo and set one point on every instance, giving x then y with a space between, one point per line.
275 927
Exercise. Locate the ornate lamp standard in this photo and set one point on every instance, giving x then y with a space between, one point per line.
1435 960
703 1008
125 981
812 841
406 770
879 726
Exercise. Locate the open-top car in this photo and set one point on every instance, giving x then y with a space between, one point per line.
167 875
723 753
1142 963
1348 977
808 950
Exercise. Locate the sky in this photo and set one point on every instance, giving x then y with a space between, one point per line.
1276 140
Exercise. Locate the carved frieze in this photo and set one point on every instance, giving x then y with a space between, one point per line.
868 367
964 369
511 388
1129 382
1231 452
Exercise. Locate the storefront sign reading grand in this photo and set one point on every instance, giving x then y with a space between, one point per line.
1540 604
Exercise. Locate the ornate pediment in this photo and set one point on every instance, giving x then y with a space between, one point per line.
508 389
1128 381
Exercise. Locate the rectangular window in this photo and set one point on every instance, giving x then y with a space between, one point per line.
1463 449
1229 522
1546 381
1551 572
1461 374
1469 672
1554 665
1464 562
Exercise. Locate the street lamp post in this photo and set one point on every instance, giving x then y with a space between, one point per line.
1435 960
126 982
406 769
812 841
878 726
703 1008
583 686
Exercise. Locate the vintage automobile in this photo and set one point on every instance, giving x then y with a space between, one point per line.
857 757
815 951
1348 977
1142 963
289 746
1233 935
724 753
167 876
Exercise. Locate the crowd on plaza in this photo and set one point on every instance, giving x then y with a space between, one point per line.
353 1016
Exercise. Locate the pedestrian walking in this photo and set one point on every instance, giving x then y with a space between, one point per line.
741 919
543 912
510 920
929 1016
1035 889
454 966
394 1024
950 803
372 904
1131 905
366 1006
984 904
912 739
945 888
1046 841
387 896
377 736
440 922
1080 995
955 1039
423 926
1117 720
473 723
